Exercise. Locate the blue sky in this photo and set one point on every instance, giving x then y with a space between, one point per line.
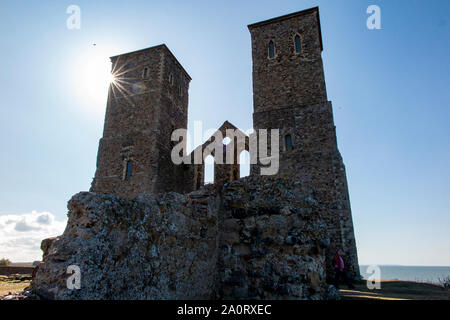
389 88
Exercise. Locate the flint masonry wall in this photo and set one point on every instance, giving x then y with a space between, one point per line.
272 241
146 102
290 77
317 163
253 238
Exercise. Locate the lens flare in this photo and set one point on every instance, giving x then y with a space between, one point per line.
111 78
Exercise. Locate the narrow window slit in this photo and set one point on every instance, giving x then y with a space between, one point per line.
271 50
128 169
298 44
288 142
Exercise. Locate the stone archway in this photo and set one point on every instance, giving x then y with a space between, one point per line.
227 168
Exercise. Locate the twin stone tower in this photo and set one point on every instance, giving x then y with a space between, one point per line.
150 100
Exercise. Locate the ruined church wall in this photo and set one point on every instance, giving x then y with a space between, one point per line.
252 238
272 242
113 154
315 161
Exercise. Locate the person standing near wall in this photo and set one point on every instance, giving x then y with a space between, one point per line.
340 273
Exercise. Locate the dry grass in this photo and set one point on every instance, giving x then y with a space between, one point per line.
7 286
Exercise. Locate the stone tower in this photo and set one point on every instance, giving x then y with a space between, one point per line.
146 102
289 94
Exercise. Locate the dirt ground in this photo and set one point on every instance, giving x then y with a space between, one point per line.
396 290
6 287
390 290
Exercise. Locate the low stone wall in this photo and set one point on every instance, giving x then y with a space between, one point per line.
8 270
252 238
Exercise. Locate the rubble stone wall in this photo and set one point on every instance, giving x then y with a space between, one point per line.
316 161
272 241
252 238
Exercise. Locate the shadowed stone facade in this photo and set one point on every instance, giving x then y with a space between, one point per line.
289 94
253 238
150 229
148 100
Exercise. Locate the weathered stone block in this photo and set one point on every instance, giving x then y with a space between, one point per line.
151 247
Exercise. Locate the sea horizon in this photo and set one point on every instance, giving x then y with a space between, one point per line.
428 274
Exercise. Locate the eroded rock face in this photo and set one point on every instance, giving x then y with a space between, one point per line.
253 238
146 248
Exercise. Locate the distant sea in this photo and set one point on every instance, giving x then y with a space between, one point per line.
409 273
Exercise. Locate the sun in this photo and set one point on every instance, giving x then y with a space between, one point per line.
111 78
91 77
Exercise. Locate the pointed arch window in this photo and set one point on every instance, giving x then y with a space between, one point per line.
288 142
271 50
298 43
